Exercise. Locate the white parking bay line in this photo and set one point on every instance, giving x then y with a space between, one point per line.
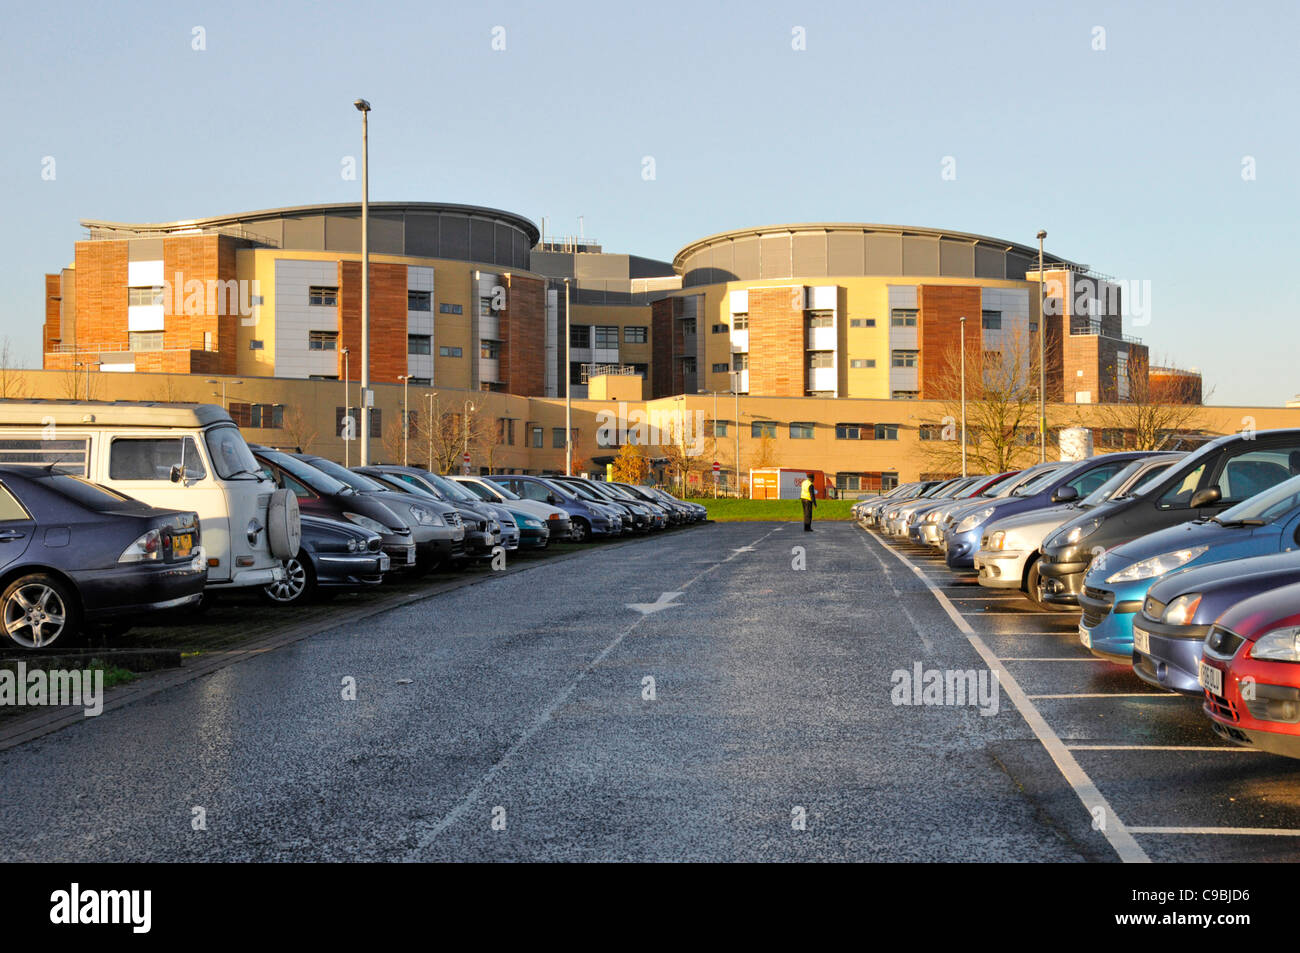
1110 694
1052 659
1014 612
1129 850
1162 748
1230 831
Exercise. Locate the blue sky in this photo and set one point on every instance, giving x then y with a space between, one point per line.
1131 157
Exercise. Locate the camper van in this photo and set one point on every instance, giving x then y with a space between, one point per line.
178 456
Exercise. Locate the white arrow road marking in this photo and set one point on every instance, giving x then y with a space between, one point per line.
665 601
745 549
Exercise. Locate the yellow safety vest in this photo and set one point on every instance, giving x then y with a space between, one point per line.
806 490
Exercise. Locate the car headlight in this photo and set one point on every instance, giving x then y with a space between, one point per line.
252 531
997 539
1181 610
425 517
892 515
1279 645
532 523
353 544
365 522
1156 565
147 548
1076 533
974 519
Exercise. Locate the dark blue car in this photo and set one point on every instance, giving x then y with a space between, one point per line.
75 554
333 555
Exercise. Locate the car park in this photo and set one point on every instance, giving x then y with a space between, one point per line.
553 518
868 512
895 515
533 526
320 494
959 491
691 512
75 554
927 526
637 518
333 555
1117 582
1219 474
1009 547
482 530
1250 672
434 535
652 516
1170 629
659 508
188 457
588 519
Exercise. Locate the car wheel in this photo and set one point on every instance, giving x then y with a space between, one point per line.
579 532
39 610
296 587
1034 590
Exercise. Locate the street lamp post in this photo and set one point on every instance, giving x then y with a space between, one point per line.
734 377
963 395
568 387
1042 352
469 408
347 412
364 108
431 395
406 416
88 365
211 380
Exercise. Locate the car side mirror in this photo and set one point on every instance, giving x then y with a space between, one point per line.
177 473
1065 494
550 498
1207 497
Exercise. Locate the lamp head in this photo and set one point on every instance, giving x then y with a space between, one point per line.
362 106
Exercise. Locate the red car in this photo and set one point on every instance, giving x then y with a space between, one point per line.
1250 672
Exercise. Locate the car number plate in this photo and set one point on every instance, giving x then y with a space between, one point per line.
384 562
1211 678
182 544
1084 636
1142 640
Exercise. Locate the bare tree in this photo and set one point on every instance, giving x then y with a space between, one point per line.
298 429
440 441
12 383
1151 409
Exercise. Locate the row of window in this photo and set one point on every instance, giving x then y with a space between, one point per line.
606 336
806 430
327 296
536 434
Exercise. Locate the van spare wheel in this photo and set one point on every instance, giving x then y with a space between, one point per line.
283 529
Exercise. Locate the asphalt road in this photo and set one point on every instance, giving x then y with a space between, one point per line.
510 720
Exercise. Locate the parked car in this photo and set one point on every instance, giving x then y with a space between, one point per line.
954 495
75 554
553 518
588 519
637 517
435 528
656 516
689 512
927 523
1250 674
1069 481
183 457
1009 548
534 529
482 528
1219 474
892 517
1170 629
659 509
320 494
334 555
867 512
1116 584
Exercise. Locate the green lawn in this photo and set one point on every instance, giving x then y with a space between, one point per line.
730 509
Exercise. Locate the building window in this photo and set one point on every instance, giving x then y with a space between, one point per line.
851 431
905 395
905 358
819 393
538 437
256 345
762 428
801 431
376 419
419 344
145 340
862 362
886 431
821 319
606 337
557 438
506 430
848 481
740 362
420 382
688 365
489 349
323 296
636 334
930 431
449 352
485 309
262 416
902 318
862 322
207 340
991 320
322 340
580 335
721 368
719 329
740 322
445 308
419 301
144 297
818 359
688 326
720 428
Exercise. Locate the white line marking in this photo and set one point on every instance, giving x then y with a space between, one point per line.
1161 748
1231 831
1017 612
1110 694
1042 658
1128 849
457 812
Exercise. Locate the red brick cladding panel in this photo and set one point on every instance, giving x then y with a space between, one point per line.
776 342
387 320
938 335
661 348
523 335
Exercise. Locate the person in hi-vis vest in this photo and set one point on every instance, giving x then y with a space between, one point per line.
808 495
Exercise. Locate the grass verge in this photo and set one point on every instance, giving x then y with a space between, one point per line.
725 509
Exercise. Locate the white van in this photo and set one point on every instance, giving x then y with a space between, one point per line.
179 456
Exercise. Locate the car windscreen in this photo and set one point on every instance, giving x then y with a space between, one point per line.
1109 488
1271 504
507 493
1036 485
1190 464
230 454
479 490
80 490
318 480
560 489
451 489
584 491
358 481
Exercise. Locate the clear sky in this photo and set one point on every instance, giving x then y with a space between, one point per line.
1131 157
